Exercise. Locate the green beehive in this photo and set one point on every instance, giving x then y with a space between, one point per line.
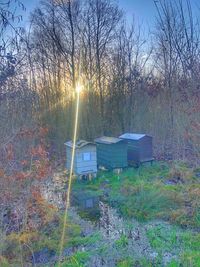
111 152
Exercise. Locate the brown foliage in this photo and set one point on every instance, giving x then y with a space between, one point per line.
19 194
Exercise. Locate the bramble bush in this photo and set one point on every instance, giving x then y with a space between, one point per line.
24 165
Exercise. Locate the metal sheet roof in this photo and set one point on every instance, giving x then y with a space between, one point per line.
132 136
79 143
107 140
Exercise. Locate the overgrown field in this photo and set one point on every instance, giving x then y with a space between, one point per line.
171 193
155 211
165 200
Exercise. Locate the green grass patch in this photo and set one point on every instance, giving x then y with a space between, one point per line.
122 242
144 193
130 262
163 238
175 240
78 259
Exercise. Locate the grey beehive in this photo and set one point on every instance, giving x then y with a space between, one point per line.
139 147
85 159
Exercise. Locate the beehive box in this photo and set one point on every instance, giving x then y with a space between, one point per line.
85 159
140 147
111 152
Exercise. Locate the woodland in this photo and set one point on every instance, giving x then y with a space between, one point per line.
134 79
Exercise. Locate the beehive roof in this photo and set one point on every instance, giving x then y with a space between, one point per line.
132 136
79 143
107 140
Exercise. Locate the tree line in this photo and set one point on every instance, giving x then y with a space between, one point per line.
133 81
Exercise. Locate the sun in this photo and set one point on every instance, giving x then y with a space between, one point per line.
79 87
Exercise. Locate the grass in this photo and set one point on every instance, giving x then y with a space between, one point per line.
146 203
146 195
122 242
48 238
169 213
130 262
143 193
78 259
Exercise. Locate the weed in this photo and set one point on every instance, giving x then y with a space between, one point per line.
122 241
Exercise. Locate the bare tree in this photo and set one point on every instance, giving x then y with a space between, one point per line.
105 19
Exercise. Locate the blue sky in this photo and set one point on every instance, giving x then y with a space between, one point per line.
144 10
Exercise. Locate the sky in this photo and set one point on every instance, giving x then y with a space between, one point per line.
144 11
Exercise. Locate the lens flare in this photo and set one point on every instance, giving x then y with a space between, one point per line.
78 90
